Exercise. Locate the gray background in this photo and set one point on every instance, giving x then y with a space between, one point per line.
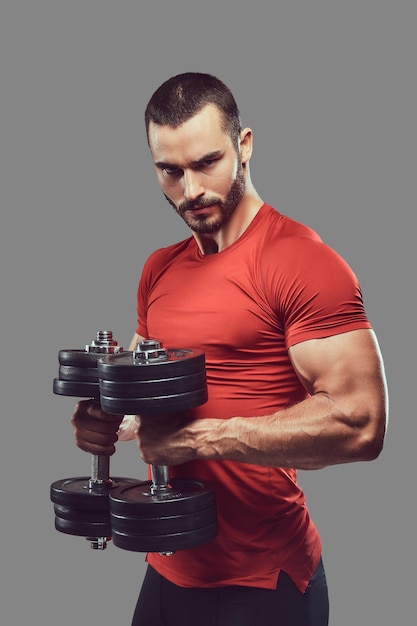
329 91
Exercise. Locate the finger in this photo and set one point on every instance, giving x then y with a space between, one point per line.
96 425
96 442
90 412
95 449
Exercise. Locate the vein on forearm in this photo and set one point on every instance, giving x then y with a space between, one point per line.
310 435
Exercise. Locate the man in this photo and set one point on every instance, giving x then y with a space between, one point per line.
294 372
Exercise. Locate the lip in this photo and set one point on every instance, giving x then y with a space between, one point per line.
199 210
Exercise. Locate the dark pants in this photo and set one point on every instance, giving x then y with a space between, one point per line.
161 603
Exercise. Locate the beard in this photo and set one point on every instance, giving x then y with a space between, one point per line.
208 225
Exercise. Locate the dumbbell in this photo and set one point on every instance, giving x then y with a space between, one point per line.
164 514
81 504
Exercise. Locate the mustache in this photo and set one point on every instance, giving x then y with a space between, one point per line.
189 205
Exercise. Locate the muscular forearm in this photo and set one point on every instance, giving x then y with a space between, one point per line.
310 435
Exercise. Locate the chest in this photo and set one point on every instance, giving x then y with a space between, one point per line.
213 305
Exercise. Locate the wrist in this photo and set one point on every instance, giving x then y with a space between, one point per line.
128 428
209 439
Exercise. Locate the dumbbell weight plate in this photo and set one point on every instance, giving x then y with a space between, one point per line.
70 372
150 388
121 376
79 388
185 496
179 518
78 374
81 511
79 358
154 405
165 542
82 523
174 384
169 524
123 367
76 493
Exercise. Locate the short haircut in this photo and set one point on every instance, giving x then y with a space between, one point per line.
183 96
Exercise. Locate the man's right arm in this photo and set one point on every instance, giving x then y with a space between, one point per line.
95 431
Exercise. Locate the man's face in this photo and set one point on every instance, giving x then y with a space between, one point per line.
199 170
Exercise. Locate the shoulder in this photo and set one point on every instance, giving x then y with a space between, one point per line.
295 244
278 225
162 257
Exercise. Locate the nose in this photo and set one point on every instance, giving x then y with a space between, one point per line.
193 188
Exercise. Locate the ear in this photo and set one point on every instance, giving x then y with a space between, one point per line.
246 144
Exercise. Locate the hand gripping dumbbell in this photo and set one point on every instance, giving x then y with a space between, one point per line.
164 514
81 504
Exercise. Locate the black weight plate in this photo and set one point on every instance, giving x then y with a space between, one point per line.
75 493
154 405
150 388
168 525
83 528
79 515
78 358
77 388
185 496
122 366
70 372
165 543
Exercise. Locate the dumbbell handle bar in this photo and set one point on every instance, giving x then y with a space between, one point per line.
100 473
160 479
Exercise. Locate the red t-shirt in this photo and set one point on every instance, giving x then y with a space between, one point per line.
276 286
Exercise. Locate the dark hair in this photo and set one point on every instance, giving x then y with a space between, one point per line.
184 95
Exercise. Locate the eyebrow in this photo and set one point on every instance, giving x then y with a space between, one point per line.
207 157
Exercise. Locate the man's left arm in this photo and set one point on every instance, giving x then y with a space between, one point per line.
343 420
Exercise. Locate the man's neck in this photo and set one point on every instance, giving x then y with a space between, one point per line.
243 215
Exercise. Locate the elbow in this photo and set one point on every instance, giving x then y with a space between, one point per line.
370 440
370 448
375 423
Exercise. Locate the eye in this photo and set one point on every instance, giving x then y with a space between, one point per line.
209 162
172 171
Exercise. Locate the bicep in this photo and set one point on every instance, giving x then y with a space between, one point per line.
347 366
